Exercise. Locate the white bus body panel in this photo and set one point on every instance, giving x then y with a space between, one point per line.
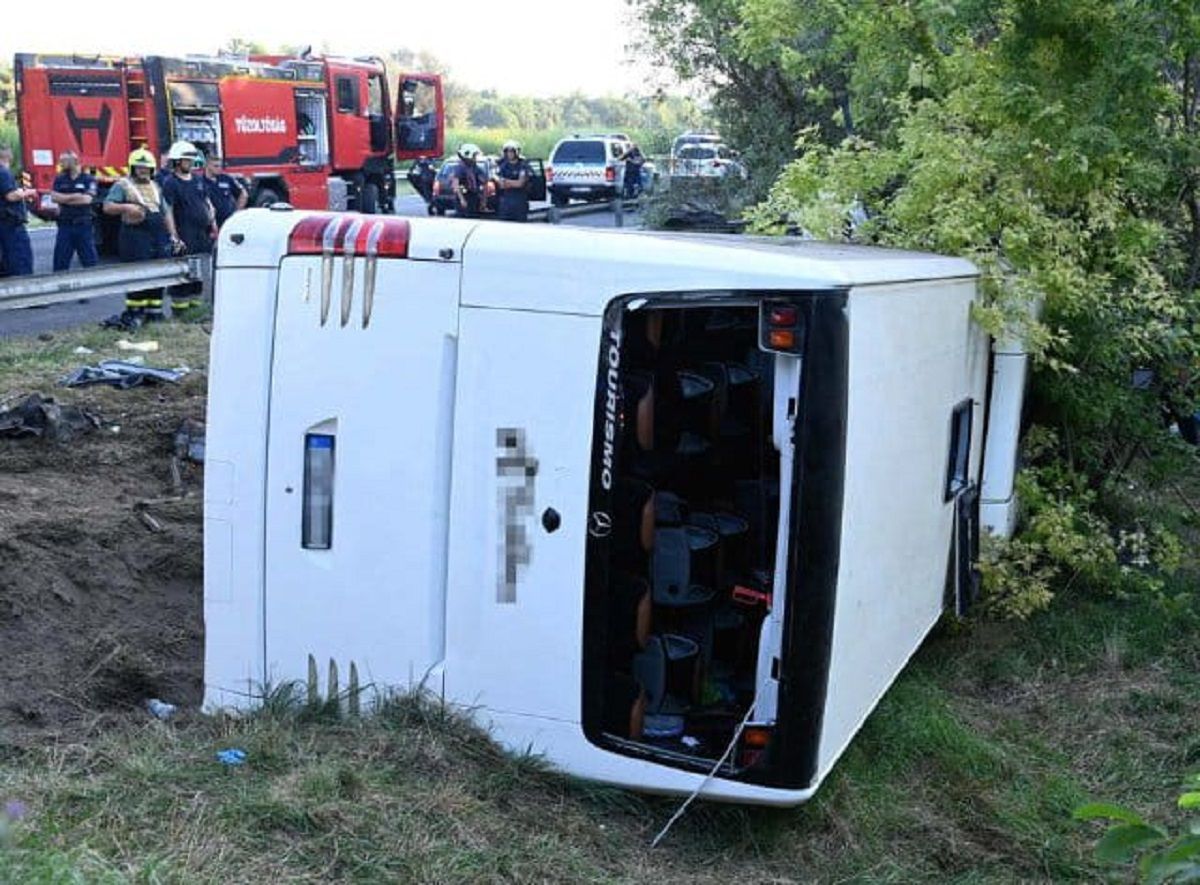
385 392
235 473
914 356
510 341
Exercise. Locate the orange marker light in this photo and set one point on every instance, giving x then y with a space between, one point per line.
783 339
756 738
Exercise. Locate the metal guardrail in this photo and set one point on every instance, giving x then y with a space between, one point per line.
109 279
555 214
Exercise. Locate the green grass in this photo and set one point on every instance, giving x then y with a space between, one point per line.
967 772
30 363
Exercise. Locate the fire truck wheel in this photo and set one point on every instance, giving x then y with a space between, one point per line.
368 198
265 197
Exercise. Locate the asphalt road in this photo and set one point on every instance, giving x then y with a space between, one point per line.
40 320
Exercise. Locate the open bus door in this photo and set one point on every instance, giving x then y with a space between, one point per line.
420 117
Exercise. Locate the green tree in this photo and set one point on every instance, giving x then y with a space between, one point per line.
1051 141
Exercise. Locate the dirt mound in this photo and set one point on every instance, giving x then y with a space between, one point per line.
101 565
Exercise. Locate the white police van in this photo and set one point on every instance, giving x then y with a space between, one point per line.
586 167
668 497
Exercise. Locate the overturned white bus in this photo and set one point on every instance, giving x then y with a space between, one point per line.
630 498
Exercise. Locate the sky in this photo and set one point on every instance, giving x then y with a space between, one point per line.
556 47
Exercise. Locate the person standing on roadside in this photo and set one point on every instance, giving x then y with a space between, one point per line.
14 214
466 181
224 192
190 219
632 181
73 192
512 178
137 200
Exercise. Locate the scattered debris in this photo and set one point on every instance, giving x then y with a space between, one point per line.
127 321
232 756
189 440
43 417
139 346
160 709
82 351
45 336
122 374
149 521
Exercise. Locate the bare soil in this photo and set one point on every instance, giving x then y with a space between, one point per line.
100 606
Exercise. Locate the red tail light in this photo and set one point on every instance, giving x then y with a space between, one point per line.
610 174
326 234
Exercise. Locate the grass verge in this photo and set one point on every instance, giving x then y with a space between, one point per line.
967 771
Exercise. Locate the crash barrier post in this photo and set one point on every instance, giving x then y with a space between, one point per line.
93 282
207 276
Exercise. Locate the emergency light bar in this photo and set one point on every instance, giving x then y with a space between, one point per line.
327 235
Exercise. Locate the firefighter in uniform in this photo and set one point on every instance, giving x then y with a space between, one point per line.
466 181
513 175
143 237
14 214
73 192
189 216
224 192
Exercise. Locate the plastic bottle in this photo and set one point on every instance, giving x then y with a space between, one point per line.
160 709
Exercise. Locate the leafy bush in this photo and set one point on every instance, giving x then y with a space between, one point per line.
1064 541
674 198
1162 857
9 137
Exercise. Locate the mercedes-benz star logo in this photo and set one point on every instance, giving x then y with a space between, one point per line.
600 524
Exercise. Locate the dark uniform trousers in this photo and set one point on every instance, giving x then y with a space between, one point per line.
144 242
74 238
186 200
14 244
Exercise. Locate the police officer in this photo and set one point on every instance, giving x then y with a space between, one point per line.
73 191
512 179
14 214
632 180
189 217
138 201
466 181
224 192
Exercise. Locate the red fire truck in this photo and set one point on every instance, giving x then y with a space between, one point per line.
317 132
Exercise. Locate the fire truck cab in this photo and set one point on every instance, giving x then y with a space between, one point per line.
317 132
